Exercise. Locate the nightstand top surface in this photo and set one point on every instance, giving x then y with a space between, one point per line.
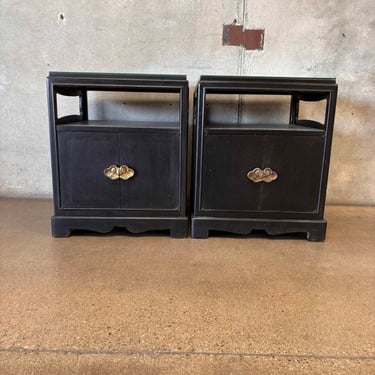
93 75
219 78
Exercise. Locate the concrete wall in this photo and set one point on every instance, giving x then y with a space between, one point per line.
318 38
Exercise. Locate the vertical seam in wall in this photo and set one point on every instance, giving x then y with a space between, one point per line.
242 49
241 59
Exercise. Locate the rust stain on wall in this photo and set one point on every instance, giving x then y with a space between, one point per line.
234 35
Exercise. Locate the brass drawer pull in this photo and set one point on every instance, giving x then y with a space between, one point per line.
113 172
126 172
262 175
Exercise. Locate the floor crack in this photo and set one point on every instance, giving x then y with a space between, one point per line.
157 352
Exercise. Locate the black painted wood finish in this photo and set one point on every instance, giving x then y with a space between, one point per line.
225 198
81 149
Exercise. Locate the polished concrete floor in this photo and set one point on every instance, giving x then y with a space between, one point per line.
126 304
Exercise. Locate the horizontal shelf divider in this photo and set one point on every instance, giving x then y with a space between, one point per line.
308 127
108 125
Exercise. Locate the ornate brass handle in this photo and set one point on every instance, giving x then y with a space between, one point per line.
113 172
126 172
262 175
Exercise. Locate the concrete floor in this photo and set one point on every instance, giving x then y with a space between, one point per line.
130 304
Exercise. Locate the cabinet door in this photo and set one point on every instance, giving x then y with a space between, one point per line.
298 161
227 159
155 159
83 156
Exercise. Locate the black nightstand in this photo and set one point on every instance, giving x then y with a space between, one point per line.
261 175
124 173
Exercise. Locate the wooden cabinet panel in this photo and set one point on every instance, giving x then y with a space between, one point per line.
298 161
228 158
155 159
83 156
226 161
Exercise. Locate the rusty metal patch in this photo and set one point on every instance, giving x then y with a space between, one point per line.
234 35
